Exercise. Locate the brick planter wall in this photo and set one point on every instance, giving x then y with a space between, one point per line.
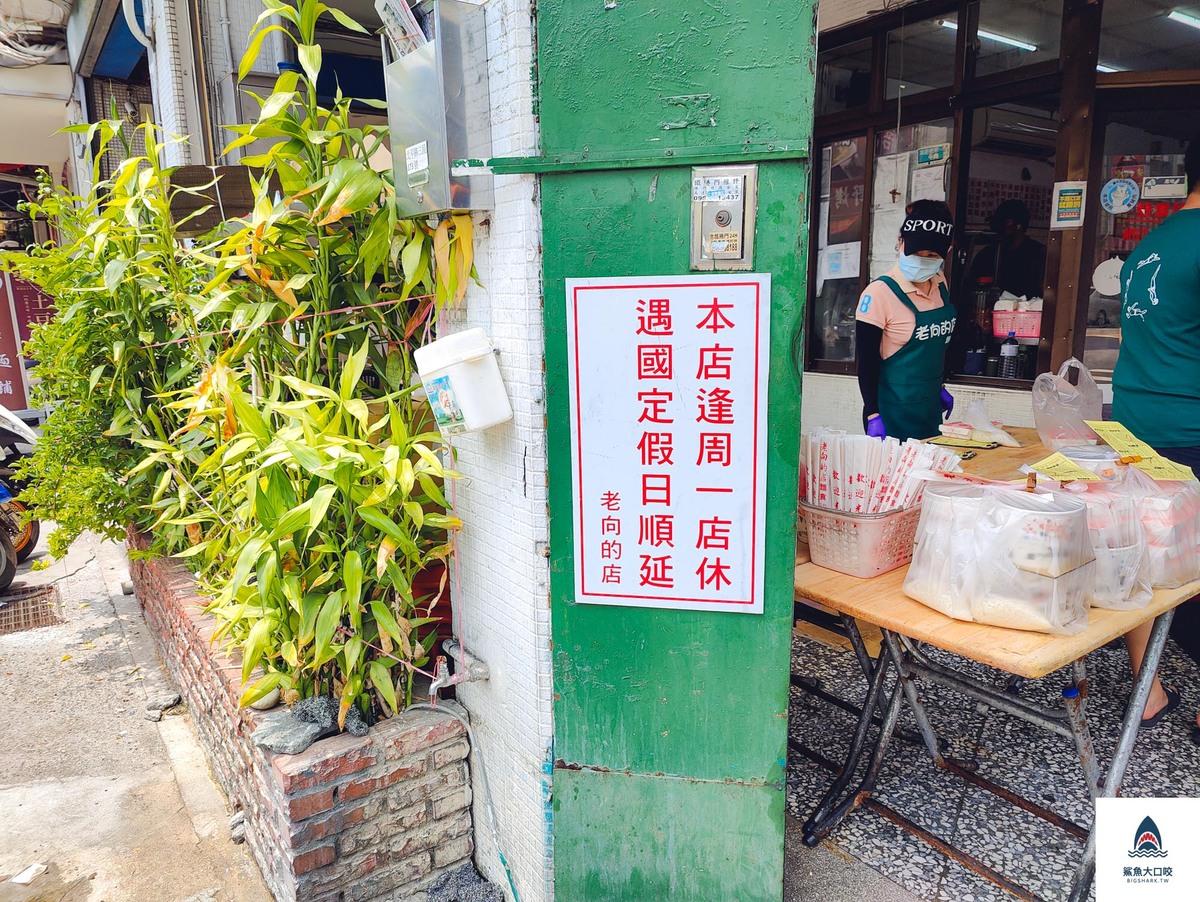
349 819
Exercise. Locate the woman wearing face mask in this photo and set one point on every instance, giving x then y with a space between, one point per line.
903 323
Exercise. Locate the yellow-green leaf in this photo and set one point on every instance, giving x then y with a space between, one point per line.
386 621
260 688
382 522
320 505
250 57
344 20
381 679
310 60
415 513
327 621
386 549
255 645
352 578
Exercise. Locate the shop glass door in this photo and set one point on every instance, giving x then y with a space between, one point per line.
1000 274
1141 183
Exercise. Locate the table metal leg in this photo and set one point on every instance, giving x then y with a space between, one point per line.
817 828
878 676
1075 701
856 642
1129 731
908 683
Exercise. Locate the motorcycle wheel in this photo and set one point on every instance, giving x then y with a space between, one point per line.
9 562
25 538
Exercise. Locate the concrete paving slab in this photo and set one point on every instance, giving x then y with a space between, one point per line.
826 874
120 809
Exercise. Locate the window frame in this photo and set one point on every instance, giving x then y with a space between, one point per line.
958 101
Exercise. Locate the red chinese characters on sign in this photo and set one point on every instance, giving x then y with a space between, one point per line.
668 392
716 407
610 549
12 368
655 449
29 304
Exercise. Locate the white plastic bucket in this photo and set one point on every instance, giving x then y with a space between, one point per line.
463 382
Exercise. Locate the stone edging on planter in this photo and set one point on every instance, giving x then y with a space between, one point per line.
351 818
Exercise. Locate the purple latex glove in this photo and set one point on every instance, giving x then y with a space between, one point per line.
875 427
947 403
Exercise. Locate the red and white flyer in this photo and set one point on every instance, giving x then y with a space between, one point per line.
668 381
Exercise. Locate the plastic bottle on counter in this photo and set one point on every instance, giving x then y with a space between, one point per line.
1008 357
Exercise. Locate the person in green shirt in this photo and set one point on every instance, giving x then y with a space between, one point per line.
1156 383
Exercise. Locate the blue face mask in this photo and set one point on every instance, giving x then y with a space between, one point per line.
919 269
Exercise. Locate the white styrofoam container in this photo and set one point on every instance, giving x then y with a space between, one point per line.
463 382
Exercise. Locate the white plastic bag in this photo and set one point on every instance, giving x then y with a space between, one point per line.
1003 557
1122 580
1170 515
1034 564
984 428
944 550
1060 408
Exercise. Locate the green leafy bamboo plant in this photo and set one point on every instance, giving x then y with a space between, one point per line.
277 439
125 296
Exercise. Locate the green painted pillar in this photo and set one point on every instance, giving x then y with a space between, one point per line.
671 726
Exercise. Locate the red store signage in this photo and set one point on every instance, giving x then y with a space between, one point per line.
13 394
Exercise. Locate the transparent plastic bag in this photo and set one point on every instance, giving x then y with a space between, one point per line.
944 549
1122 575
1034 562
1170 516
1060 408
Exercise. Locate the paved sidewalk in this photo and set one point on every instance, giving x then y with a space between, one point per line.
119 808
827 874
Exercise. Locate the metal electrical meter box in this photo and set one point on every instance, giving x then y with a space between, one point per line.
438 112
724 200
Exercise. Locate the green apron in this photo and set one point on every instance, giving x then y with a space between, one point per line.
910 382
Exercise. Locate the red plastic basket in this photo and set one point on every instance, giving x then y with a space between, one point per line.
1023 323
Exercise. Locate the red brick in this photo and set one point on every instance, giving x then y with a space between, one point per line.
307 832
450 754
317 858
302 807
356 789
324 762
372 861
412 732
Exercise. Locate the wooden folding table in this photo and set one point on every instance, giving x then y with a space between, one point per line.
907 624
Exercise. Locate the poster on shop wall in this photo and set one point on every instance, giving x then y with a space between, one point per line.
668 383
14 391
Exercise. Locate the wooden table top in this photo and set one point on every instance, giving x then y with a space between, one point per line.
1033 655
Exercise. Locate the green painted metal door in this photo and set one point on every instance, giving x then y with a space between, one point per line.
671 726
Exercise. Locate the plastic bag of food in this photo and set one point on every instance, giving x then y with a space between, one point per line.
1170 516
977 425
1122 580
1034 565
1060 408
944 550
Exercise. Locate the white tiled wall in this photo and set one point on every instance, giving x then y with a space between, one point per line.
172 82
225 34
834 401
502 591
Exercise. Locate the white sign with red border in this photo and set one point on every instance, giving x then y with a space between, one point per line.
668 382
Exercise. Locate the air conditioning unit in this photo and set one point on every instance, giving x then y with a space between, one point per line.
1010 132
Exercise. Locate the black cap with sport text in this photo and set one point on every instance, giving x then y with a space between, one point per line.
927 231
